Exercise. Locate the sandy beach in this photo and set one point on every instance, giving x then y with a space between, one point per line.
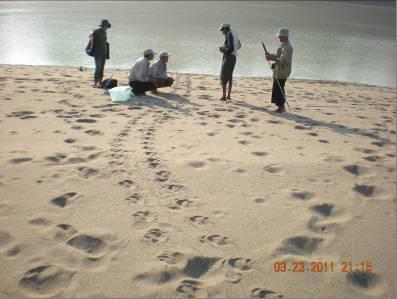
181 195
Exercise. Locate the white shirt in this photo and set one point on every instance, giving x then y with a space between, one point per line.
140 70
158 70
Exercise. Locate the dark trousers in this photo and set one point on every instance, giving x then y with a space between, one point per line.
228 64
277 95
99 67
139 88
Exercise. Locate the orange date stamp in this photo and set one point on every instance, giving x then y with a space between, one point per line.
319 266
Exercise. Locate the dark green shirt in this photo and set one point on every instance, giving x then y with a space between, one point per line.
100 40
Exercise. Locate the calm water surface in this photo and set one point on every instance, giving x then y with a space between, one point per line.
344 41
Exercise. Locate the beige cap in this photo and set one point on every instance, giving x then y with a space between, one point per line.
148 52
223 26
164 54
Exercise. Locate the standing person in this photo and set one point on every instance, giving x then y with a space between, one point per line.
139 76
282 68
229 50
100 51
158 71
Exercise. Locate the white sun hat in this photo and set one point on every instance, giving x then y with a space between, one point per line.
223 26
283 32
148 52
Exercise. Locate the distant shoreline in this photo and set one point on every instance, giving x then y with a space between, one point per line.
209 75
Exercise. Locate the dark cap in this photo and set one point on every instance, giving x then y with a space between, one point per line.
105 23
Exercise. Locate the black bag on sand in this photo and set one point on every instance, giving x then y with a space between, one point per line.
109 83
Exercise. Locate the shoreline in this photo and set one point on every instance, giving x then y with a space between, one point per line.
200 74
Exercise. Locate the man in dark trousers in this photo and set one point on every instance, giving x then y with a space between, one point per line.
282 68
229 50
100 51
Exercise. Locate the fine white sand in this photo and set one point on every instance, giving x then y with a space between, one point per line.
181 195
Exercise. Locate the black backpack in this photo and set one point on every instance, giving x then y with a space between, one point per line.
90 50
109 83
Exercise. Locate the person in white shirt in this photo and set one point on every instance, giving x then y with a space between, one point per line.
139 76
158 71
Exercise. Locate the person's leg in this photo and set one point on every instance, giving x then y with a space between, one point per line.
101 69
276 96
169 81
96 73
136 88
146 86
230 89
231 65
282 102
223 78
223 98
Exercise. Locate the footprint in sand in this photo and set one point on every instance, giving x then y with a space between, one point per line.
259 154
363 280
87 172
162 176
172 258
90 245
46 280
264 293
70 140
191 289
155 235
259 200
5 238
86 120
135 198
241 264
144 217
19 160
56 158
94 132
198 220
181 203
365 190
126 183
216 240
324 209
196 164
175 187
244 142
302 195
273 169
301 245
63 200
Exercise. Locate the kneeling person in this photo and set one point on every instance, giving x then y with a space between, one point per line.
139 76
158 71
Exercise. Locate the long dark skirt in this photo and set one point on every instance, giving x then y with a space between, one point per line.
277 95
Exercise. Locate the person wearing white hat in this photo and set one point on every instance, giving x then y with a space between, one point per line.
281 68
139 75
158 71
229 50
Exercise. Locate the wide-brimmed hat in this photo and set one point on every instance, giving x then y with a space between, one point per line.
164 54
148 52
283 32
105 23
224 26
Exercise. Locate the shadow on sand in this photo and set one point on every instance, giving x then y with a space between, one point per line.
304 120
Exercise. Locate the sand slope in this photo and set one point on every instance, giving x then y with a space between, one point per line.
181 195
